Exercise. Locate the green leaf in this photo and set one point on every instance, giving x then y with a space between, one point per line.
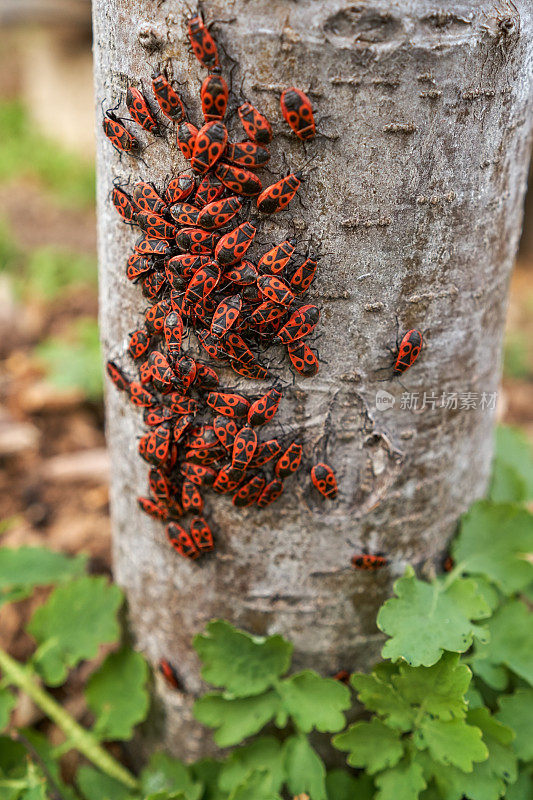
94 785
73 360
427 618
264 753
207 771
516 711
75 620
244 665
383 698
340 785
508 644
7 703
523 788
47 754
117 694
304 768
166 774
236 719
315 702
493 541
405 781
488 779
452 743
513 448
506 485
439 689
37 566
371 745
254 787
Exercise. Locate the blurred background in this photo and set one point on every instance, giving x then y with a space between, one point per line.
53 463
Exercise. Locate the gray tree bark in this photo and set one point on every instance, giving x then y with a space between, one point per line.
417 207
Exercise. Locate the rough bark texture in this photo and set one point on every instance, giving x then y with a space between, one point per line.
417 207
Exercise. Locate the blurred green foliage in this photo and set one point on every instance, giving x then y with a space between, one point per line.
51 270
516 360
73 360
26 153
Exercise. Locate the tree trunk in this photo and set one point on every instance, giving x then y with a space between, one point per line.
416 202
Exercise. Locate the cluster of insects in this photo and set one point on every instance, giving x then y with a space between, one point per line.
192 262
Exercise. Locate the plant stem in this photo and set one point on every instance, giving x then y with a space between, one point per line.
80 739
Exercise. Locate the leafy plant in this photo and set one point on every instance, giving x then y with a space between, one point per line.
49 271
447 715
73 360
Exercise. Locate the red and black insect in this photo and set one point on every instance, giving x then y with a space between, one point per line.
124 205
255 371
137 265
265 452
181 404
408 351
298 113
303 276
209 189
173 330
290 461
139 343
278 195
270 493
324 480
206 377
186 265
265 313
154 226
139 109
206 457
154 508
256 126
249 492
236 348
154 318
233 245
201 535
179 189
153 283
228 404
226 314
154 446
121 139
263 409
202 43
244 274
150 246
169 674
140 396
301 323
118 377
196 240
276 290
159 485
195 473
157 415
184 213
209 343
238 180
209 145
181 541
343 676
275 260
162 373
227 481
186 138
369 562
214 96
247 154
244 447
148 199
303 359
191 499
226 429
218 213
182 425
202 283
185 368
168 99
